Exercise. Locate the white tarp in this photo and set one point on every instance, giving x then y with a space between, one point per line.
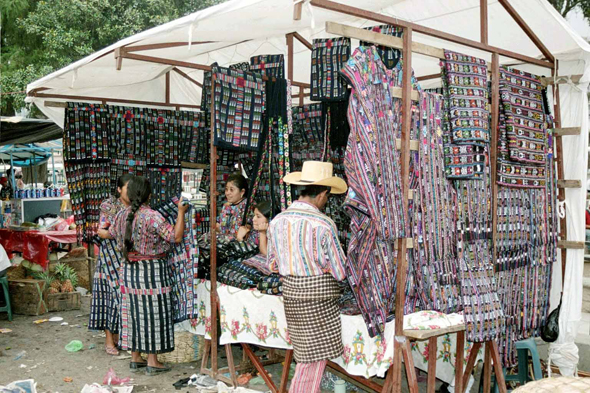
240 29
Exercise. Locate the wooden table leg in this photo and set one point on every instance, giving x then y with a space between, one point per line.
459 361
487 375
388 386
470 365
286 369
410 370
205 359
498 367
432 350
260 368
231 365
397 367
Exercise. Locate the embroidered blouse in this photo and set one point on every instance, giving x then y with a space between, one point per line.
149 229
231 217
304 242
109 209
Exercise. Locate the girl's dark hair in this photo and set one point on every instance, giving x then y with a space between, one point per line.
139 190
265 208
121 181
239 180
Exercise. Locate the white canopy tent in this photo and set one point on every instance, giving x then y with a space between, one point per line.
234 31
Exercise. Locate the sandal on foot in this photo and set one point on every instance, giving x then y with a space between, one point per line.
111 351
136 366
151 371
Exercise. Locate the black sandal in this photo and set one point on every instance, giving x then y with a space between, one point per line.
136 366
151 371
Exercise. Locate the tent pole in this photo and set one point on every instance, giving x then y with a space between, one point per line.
360 13
483 21
213 221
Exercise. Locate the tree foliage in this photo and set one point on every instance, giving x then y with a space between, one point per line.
565 6
41 36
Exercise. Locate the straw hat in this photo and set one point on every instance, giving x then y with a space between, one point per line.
317 173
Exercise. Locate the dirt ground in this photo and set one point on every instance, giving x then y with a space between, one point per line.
47 362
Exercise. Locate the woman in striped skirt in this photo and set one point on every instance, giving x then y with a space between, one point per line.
144 237
104 309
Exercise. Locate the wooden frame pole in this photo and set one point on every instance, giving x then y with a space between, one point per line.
213 234
167 98
483 21
289 38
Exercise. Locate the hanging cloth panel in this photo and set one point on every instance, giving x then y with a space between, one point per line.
374 199
328 56
389 56
272 66
239 103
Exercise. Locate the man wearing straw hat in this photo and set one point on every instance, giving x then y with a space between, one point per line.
303 247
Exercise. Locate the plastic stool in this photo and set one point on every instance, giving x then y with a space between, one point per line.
7 308
522 347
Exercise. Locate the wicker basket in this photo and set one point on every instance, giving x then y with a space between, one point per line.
188 348
556 385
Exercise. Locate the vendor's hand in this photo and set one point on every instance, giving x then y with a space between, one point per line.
242 233
183 205
104 234
261 227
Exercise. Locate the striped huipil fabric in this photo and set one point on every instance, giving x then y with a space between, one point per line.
304 242
328 56
374 200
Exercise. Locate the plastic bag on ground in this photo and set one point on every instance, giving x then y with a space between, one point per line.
111 378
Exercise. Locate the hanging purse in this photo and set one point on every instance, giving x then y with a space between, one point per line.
550 331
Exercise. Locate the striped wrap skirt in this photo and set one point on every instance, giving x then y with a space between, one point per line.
105 305
146 307
313 317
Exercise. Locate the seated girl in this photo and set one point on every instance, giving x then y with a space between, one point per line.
232 213
262 216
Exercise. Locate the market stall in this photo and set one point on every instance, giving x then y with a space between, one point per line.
480 174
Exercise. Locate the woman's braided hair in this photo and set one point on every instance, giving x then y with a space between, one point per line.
139 190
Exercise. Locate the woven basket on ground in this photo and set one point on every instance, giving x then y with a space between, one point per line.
188 348
556 385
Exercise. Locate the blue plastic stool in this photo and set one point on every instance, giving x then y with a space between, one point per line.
7 308
523 348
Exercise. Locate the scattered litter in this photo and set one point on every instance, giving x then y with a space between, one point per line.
68 379
64 324
92 346
83 291
89 368
7 348
34 367
96 388
82 315
101 335
123 357
23 366
111 378
257 381
201 381
5 331
244 379
55 319
74 346
20 355
77 326
38 321
25 386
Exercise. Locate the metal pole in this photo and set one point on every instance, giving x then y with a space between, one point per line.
53 168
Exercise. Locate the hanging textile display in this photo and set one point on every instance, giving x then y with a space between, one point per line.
206 90
483 311
374 199
328 56
389 56
243 66
308 135
434 219
86 133
166 183
120 167
162 132
89 185
466 130
272 66
239 102
127 137
196 141
522 130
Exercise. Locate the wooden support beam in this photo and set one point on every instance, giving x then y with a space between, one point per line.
364 14
297 9
409 243
428 77
569 184
460 345
527 30
570 244
164 45
483 21
167 95
303 40
213 237
286 369
432 357
261 370
161 60
567 131
290 56
397 93
104 100
414 144
185 75
470 365
495 354
118 58
381 39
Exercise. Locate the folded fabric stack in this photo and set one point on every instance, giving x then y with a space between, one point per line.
239 275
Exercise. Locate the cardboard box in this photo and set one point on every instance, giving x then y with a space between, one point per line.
63 301
26 297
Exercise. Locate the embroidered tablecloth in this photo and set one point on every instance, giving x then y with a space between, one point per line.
248 316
